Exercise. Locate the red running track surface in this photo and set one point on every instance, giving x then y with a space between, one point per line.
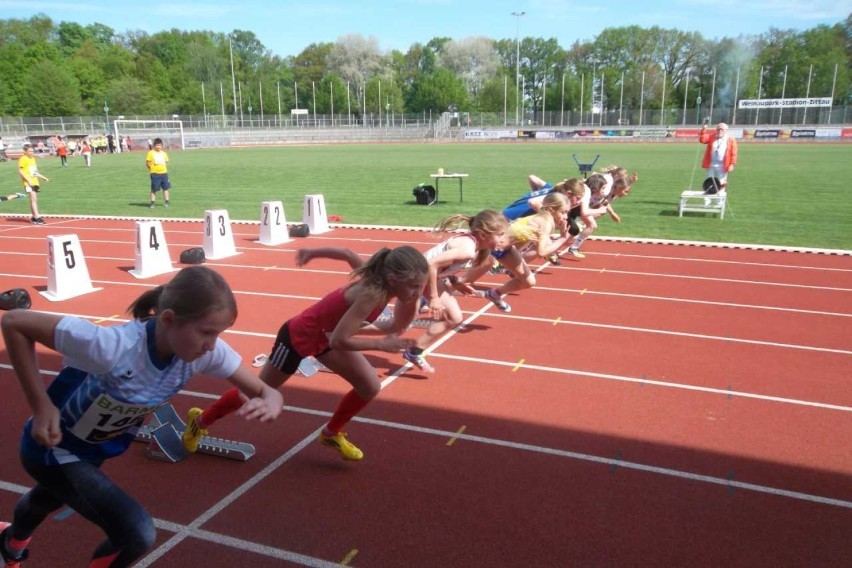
649 405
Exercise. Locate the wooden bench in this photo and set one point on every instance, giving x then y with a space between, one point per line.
700 202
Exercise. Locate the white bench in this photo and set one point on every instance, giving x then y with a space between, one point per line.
700 202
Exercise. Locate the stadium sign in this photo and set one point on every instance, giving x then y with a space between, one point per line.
784 103
490 134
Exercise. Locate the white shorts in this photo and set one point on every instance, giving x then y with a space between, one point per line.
719 173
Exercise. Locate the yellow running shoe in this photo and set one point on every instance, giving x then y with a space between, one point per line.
347 449
192 433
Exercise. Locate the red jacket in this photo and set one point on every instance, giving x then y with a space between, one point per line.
708 137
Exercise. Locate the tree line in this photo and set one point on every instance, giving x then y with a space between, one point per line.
67 69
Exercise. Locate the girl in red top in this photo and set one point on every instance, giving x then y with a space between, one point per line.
330 331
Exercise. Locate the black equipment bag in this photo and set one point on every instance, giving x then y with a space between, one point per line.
16 298
424 194
712 185
301 230
193 255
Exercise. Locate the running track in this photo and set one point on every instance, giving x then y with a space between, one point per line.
651 405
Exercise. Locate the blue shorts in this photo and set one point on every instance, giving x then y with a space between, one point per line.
160 181
521 208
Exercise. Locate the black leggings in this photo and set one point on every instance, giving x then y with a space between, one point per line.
86 489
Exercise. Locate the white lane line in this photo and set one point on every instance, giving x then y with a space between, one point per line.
691 301
645 381
616 462
678 334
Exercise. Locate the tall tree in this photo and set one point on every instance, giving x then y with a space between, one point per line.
473 60
51 91
355 58
438 92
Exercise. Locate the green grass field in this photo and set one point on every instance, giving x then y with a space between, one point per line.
780 194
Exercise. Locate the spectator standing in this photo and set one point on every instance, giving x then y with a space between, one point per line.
62 151
720 154
157 161
86 151
28 170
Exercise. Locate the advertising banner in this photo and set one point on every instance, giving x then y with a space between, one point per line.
784 103
767 133
490 134
803 133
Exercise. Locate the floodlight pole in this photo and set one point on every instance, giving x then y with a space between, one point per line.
517 63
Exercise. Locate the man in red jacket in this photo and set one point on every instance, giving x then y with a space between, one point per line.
720 156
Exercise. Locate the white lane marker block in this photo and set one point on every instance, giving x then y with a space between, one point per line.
314 214
67 273
273 224
218 238
152 251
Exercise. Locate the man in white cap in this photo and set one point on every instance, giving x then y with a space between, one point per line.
720 156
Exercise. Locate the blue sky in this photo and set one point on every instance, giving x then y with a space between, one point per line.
286 27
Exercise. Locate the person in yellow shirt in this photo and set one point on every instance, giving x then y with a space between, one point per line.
157 161
28 170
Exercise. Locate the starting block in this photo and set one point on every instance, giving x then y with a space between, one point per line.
218 238
308 367
314 214
273 224
67 273
152 252
701 202
164 436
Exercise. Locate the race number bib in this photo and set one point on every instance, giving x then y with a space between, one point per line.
108 418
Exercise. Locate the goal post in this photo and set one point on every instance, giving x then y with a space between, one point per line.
140 131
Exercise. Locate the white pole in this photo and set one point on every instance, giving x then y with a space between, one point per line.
331 90
296 94
278 91
621 101
642 98
543 97
833 84
592 95
233 77
380 103
808 92
712 94
663 103
222 98
314 92
736 96
240 94
783 91
348 104
582 89
517 60
523 99
562 113
759 89
505 98
685 91
600 122
260 94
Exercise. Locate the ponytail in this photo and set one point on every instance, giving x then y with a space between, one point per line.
145 306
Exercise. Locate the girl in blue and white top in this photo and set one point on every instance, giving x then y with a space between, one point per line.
113 378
